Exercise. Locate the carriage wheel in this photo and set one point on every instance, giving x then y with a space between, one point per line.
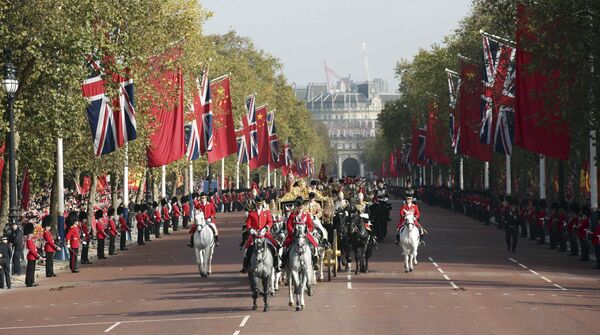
329 270
335 249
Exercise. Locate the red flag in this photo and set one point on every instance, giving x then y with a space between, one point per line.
167 142
392 162
434 148
469 105
224 142
262 139
101 184
25 191
280 162
539 126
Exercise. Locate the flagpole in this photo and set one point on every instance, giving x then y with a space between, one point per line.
486 175
268 174
126 188
60 255
237 175
163 181
508 176
191 177
223 173
275 178
461 175
248 176
542 177
593 174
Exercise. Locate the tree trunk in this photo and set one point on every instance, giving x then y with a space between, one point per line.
174 186
155 190
114 188
186 181
140 193
92 198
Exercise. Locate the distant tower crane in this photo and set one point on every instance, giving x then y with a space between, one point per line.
328 74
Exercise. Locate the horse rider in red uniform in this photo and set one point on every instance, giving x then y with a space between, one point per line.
258 219
208 208
409 208
299 216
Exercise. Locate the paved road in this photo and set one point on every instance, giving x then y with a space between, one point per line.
465 283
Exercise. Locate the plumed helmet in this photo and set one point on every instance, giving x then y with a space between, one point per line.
298 202
311 195
28 229
98 214
409 193
259 199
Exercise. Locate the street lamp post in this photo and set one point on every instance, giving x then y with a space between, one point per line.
10 85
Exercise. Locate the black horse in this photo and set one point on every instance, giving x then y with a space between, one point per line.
359 238
341 222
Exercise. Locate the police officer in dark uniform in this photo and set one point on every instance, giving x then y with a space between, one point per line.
15 239
511 226
4 262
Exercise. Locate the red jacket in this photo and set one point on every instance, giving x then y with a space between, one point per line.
257 222
112 228
176 212
165 213
123 225
584 224
140 218
572 223
596 236
32 253
295 219
186 209
407 210
85 232
99 227
208 209
49 246
541 218
72 237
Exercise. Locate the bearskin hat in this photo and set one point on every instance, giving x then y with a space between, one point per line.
28 229
46 221
98 214
574 207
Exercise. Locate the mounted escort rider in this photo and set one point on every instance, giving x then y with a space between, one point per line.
300 216
316 213
208 208
409 208
258 219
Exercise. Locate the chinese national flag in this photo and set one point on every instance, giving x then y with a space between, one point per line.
469 105
224 142
262 137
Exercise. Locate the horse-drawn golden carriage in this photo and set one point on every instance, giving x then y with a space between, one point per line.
286 203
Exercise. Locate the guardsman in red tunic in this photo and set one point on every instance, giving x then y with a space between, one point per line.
596 243
208 208
32 256
257 220
582 233
409 208
100 232
166 218
140 224
185 206
123 228
112 231
49 246
72 240
86 235
176 213
156 218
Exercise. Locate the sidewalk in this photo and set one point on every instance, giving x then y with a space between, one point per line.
63 266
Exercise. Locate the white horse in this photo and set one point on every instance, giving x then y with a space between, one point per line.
300 267
320 234
204 245
279 233
409 240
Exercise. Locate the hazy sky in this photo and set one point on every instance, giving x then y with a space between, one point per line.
304 33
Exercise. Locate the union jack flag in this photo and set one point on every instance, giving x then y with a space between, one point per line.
101 116
192 140
453 87
422 143
125 115
202 108
251 125
289 157
242 150
499 95
273 138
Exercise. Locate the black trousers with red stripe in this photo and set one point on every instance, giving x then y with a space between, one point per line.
74 262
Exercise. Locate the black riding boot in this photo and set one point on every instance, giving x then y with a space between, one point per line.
191 244
397 241
217 241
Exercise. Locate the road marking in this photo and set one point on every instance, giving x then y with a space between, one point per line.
112 327
446 277
349 285
435 264
430 259
454 285
237 332
126 321
536 273
440 270
244 320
